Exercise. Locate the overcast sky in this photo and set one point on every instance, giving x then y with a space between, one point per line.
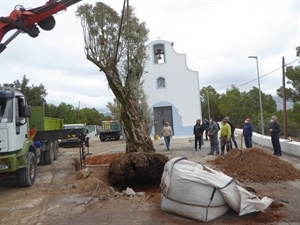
216 36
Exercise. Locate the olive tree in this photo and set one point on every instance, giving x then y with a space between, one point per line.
116 45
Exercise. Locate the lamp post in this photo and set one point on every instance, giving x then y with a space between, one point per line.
208 105
260 102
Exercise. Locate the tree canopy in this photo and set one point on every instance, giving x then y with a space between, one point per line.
116 44
293 76
237 105
35 94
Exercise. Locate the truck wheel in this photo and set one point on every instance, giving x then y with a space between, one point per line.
26 175
49 155
55 150
102 139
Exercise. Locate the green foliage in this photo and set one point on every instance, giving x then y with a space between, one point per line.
115 109
293 116
238 105
72 115
90 116
35 94
293 76
210 97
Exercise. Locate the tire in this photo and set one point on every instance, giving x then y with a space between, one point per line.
47 24
26 176
55 150
49 155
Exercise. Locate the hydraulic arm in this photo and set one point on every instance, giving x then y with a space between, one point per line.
26 21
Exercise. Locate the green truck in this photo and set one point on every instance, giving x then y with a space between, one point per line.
45 131
27 137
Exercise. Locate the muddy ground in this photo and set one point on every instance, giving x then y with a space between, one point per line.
57 197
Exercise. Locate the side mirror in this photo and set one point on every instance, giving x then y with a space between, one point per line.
26 111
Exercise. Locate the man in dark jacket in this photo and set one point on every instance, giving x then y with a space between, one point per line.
198 131
232 126
274 129
206 127
247 132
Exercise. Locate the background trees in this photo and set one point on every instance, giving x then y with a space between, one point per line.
293 94
293 76
240 105
35 94
36 97
209 97
233 103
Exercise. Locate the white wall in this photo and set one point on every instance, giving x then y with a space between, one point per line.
292 148
182 84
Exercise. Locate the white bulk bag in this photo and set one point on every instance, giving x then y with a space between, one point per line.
195 191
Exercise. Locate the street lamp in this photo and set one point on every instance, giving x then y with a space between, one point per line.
208 105
260 102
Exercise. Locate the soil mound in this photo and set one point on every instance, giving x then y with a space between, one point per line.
255 165
103 159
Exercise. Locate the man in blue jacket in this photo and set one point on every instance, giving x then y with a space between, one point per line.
247 132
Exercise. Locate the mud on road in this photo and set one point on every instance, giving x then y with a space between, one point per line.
58 198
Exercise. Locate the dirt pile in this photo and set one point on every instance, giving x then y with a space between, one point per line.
103 159
255 165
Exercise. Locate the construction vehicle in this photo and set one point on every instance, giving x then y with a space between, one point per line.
110 131
23 147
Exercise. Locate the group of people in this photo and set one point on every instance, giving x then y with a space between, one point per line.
211 129
226 138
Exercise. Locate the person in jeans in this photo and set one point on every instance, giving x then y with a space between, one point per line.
247 132
198 132
167 133
232 126
225 136
274 129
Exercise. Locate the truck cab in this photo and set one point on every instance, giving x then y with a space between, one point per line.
19 153
13 120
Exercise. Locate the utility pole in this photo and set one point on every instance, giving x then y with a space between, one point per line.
78 111
284 100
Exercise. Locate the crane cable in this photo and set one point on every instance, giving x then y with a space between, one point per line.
119 35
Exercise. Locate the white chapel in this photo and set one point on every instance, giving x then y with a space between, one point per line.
172 88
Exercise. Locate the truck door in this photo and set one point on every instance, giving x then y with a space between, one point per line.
20 122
